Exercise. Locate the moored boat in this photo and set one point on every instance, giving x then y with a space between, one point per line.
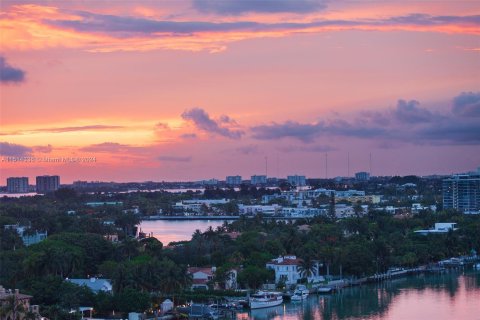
324 289
300 293
265 299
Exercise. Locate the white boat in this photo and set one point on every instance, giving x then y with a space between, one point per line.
324 289
265 299
300 293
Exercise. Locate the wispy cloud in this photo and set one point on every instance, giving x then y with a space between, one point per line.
248 149
42 26
175 158
97 127
235 7
204 122
111 147
43 149
188 136
9 74
319 148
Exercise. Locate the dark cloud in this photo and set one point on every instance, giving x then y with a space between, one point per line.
410 112
188 136
82 128
290 129
175 158
307 132
202 121
459 131
235 7
14 150
110 147
407 123
93 22
43 149
126 26
467 104
9 74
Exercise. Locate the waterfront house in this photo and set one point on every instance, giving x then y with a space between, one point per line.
94 284
288 270
21 304
203 277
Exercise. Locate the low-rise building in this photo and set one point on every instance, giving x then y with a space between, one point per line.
28 237
201 277
259 209
94 284
288 270
22 305
442 227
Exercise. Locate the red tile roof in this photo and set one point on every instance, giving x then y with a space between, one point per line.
207 270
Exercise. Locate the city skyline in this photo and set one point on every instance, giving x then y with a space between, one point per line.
199 89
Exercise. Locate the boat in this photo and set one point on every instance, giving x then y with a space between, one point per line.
265 299
476 266
300 293
324 289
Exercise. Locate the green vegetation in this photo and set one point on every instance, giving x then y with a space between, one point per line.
143 271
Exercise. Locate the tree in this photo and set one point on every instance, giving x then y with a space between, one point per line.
308 267
253 277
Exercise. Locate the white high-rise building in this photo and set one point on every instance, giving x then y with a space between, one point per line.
256 180
296 180
233 180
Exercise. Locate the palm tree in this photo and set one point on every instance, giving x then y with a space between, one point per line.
11 308
308 267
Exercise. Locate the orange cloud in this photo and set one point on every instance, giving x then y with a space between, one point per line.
27 27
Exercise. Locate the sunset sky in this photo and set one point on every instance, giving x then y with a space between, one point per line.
200 89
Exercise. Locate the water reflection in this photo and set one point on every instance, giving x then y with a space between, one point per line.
445 296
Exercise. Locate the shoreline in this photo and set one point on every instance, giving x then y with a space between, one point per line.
154 218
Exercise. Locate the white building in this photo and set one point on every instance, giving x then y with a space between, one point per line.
288 270
94 284
202 277
296 180
256 180
27 238
443 227
233 180
259 209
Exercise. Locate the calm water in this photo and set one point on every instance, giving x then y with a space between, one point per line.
177 230
435 297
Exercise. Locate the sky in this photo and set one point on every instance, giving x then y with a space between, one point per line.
104 90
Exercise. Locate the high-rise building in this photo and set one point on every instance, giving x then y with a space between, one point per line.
362 176
462 192
256 180
17 184
298 181
46 184
233 180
